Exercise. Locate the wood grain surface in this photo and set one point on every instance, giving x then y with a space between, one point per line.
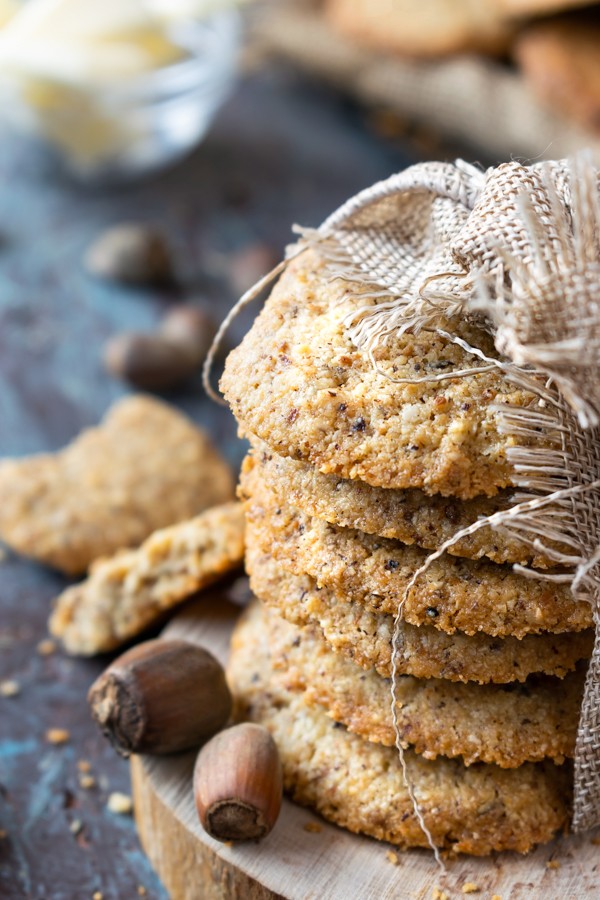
327 863
283 150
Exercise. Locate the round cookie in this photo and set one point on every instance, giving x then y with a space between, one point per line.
409 516
453 594
359 785
299 383
366 637
506 725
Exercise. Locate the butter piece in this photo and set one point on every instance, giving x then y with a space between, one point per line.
63 59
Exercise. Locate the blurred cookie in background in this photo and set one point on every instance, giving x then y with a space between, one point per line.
560 58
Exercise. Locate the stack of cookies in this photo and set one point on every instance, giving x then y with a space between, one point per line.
358 469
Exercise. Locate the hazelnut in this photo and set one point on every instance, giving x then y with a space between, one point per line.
161 696
189 326
149 361
132 253
238 784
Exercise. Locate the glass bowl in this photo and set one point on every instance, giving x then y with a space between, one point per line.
116 131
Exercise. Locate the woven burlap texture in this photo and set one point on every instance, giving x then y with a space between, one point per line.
518 249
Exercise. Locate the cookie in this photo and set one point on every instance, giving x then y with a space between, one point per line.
503 724
298 383
144 467
125 594
560 61
409 516
413 28
359 785
453 594
366 637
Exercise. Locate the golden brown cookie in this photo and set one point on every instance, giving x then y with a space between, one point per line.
299 384
366 637
144 467
561 62
410 516
359 785
503 724
453 594
125 594
413 28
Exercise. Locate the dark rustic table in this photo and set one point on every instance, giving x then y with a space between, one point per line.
283 150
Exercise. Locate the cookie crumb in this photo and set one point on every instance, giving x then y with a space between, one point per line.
312 827
76 826
3 834
392 857
87 782
84 765
97 895
10 688
553 864
595 841
120 803
437 894
57 735
46 647
496 897
469 887
141 890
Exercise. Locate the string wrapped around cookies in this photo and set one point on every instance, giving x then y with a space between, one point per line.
518 250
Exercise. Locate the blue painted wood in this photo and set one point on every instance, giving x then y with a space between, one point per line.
283 150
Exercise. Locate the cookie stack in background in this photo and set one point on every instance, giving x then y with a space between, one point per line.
355 475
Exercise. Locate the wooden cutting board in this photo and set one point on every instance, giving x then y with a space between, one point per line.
304 858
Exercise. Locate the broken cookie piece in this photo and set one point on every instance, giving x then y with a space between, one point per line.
125 594
146 466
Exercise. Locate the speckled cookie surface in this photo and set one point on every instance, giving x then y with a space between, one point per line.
297 382
366 637
505 725
410 516
128 592
453 594
359 785
144 467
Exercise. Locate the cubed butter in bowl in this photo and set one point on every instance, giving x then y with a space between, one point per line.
116 88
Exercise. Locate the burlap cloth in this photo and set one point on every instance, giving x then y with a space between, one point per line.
518 249
468 99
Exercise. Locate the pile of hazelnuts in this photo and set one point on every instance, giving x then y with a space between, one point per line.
167 696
